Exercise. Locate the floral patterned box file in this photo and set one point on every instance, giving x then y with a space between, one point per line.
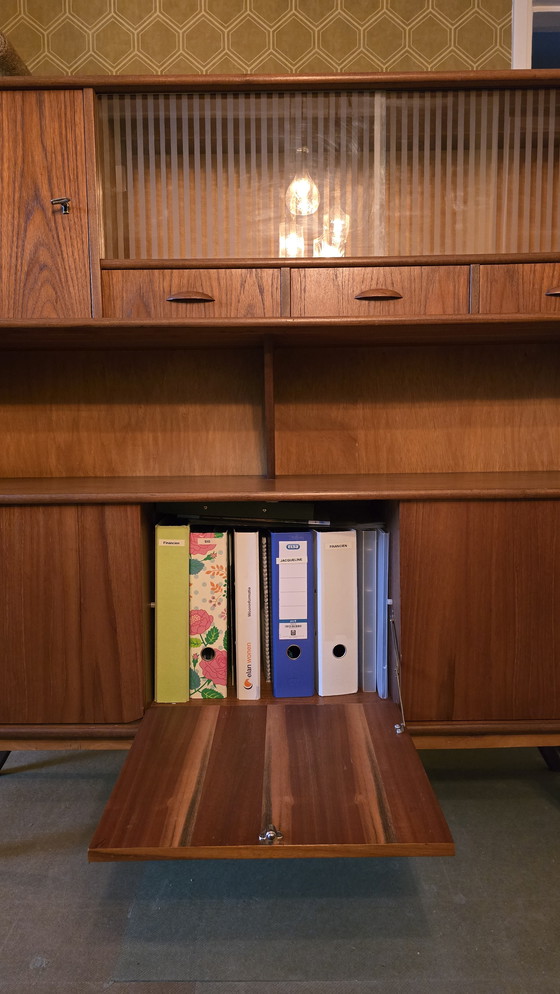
208 625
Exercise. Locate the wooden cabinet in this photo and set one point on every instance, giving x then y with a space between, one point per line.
71 615
44 251
413 368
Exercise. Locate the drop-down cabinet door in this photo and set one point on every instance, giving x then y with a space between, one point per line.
44 250
324 777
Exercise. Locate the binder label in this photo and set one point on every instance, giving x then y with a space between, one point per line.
292 630
292 590
172 541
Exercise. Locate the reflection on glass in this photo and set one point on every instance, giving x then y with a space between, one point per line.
335 230
302 195
291 241
323 249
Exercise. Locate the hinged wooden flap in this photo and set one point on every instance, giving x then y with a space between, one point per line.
322 777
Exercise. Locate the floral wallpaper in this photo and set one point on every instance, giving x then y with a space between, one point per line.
92 37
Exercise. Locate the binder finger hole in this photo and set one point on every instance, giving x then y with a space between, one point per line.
339 650
207 653
293 651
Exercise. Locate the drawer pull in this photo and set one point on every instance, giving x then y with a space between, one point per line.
380 294
191 297
553 292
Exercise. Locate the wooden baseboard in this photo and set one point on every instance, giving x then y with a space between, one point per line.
43 737
489 741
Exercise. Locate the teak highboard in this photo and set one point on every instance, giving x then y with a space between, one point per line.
173 328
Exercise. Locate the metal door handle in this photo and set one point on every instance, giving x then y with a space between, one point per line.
64 203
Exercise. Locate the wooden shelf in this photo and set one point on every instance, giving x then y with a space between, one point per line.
105 333
346 262
404 486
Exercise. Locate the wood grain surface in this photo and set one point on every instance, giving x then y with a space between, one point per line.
479 610
159 413
71 648
44 254
335 780
251 293
485 409
423 289
519 289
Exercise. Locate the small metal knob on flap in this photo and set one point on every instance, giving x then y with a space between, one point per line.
270 835
64 203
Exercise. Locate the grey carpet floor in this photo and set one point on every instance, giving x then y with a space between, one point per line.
482 922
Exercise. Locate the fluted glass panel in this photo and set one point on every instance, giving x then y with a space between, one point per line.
205 176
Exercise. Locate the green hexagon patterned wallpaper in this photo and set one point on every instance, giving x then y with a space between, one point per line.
91 37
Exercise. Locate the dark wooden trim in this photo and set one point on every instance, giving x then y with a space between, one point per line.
92 203
501 740
379 486
107 333
477 728
269 410
377 261
68 732
285 293
474 290
333 81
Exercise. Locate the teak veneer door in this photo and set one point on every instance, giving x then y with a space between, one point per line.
480 585
44 254
70 615
322 778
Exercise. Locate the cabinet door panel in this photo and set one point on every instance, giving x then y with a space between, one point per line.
479 603
44 261
70 615
384 291
520 289
204 781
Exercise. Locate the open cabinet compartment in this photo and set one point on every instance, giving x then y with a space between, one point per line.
326 776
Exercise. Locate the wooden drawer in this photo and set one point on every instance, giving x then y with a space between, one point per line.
520 289
381 291
197 293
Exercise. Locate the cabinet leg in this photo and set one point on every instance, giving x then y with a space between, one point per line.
551 756
3 758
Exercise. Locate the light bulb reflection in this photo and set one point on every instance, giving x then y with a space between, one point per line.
302 195
291 241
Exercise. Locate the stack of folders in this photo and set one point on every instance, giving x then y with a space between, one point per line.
307 609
